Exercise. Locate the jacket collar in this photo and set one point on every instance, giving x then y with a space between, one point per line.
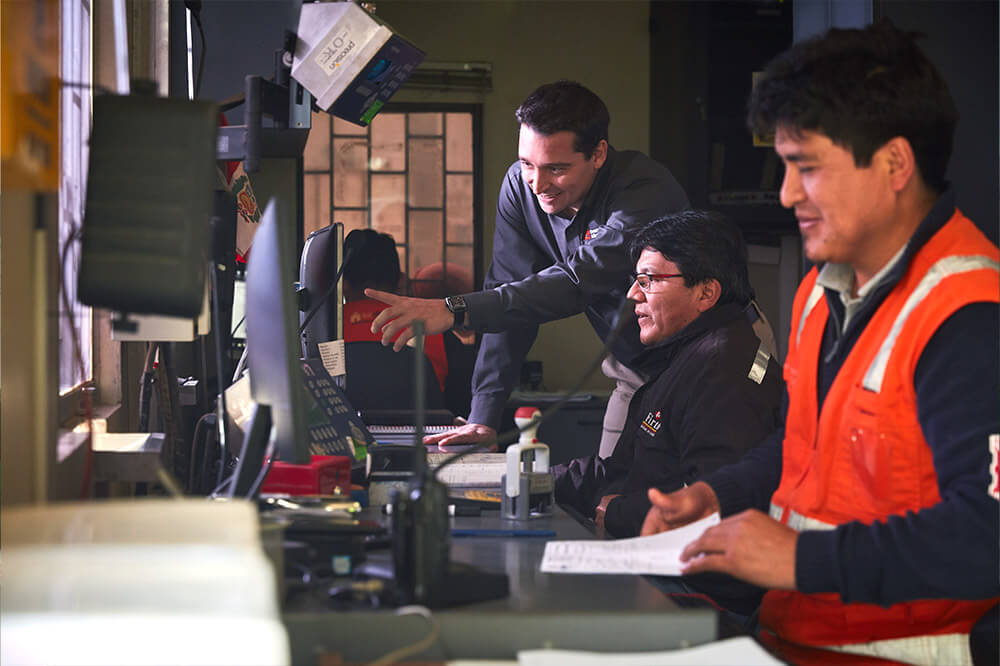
939 214
599 186
657 357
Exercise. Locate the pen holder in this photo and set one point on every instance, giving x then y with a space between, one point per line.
528 488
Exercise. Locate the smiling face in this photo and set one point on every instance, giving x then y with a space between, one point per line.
845 212
558 175
669 306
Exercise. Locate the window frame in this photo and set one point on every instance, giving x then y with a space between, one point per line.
476 112
69 400
109 359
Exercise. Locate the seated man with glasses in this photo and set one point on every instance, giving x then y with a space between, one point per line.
714 390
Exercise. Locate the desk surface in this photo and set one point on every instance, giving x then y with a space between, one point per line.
614 613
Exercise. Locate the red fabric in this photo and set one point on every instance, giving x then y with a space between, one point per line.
864 457
231 167
358 317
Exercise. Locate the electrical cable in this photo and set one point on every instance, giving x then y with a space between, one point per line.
350 249
194 448
231 103
241 365
206 461
269 456
414 648
169 402
86 403
224 486
512 435
221 401
88 86
146 385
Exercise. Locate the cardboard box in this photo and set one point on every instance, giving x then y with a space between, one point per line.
350 61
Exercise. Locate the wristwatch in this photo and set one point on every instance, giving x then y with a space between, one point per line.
458 308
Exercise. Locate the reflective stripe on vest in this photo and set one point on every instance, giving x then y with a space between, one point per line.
797 521
759 367
951 649
945 267
924 650
814 296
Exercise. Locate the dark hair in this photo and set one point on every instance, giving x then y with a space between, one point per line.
567 106
375 262
861 88
705 245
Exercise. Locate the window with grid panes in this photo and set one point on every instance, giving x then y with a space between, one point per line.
411 174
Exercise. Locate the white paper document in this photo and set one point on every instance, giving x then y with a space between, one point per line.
659 554
332 353
475 470
742 651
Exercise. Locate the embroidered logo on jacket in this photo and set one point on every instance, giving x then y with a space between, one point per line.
994 487
593 233
651 423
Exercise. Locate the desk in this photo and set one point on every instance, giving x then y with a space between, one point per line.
610 613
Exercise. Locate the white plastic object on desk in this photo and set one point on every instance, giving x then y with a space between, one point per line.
527 419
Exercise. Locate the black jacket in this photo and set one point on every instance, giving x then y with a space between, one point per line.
699 411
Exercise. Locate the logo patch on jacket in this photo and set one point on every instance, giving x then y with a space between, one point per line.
994 487
593 233
651 423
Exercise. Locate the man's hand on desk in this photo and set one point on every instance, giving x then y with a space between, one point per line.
599 511
398 318
470 433
751 546
672 510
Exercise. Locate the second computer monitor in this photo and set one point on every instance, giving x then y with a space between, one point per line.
321 257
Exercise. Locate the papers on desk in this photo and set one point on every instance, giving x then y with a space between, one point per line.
658 554
476 470
730 651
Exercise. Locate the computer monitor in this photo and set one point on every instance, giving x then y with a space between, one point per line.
321 257
272 337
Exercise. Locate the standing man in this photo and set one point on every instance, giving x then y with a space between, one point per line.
566 211
872 516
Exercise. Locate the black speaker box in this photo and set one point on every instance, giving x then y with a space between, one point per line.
146 232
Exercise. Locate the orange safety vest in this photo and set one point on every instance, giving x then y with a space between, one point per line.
864 456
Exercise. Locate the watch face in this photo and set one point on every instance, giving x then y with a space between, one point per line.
455 303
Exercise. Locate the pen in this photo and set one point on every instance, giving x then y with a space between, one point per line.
501 533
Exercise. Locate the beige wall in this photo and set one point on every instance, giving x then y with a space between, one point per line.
604 45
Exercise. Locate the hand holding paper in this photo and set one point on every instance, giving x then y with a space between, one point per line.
751 546
672 510
658 554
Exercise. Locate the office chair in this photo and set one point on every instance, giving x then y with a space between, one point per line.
379 378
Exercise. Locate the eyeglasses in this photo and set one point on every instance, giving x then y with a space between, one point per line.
645 280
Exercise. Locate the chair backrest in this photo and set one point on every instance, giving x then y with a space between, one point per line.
379 378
